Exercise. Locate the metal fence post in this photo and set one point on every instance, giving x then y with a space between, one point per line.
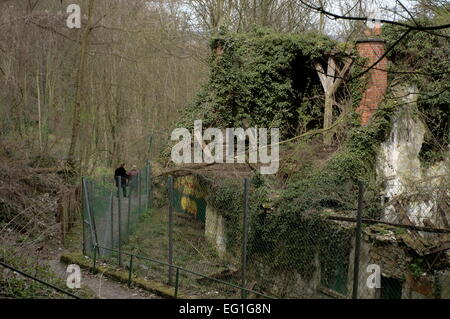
150 142
146 187
94 262
91 220
111 211
170 185
129 210
119 204
177 279
83 211
244 241
149 194
358 240
130 270
139 180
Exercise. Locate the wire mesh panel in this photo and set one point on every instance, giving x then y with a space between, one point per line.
112 213
89 235
100 200
149 237
296 251
406 252
341 243
201 241
192 247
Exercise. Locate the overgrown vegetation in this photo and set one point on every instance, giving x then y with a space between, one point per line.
28 194
31 189
423 60
190 251
264 79
16 286
117 97
290 228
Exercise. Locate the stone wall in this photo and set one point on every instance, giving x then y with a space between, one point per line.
382 247
410 192
215 230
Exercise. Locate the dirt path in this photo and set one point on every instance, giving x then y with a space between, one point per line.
103 287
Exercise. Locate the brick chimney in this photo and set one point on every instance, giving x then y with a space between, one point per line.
372 47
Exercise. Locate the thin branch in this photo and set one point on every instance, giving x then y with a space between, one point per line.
410 27
381 58
409 13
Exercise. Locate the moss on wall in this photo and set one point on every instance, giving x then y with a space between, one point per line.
266 79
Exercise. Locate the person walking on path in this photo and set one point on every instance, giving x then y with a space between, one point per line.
132 178
122 173
132 173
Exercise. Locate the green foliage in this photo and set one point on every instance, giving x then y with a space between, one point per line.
257 79
357 86
334 186
290 239
289 235
227 199
417 267
262 78
423 59
257 180
285 241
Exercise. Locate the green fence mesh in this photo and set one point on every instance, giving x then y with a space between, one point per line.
311 254
110 214
290 253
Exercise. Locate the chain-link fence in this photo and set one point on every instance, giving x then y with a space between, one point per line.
344 243
111 210
352 249
409 245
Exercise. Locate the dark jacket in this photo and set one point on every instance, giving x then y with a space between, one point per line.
123 175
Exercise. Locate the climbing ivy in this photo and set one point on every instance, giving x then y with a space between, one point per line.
288 232
267 80
262 78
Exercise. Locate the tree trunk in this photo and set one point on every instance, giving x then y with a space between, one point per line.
38 88
328 118
78 85
330 83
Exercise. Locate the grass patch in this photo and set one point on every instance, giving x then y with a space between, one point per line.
191 251
16 286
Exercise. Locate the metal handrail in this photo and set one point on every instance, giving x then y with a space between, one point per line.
178 268
39 280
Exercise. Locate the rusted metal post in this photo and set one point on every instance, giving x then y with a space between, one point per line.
244 242
358 240
170 185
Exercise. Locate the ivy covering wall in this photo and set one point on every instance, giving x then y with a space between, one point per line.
262 79
295 230
267 79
